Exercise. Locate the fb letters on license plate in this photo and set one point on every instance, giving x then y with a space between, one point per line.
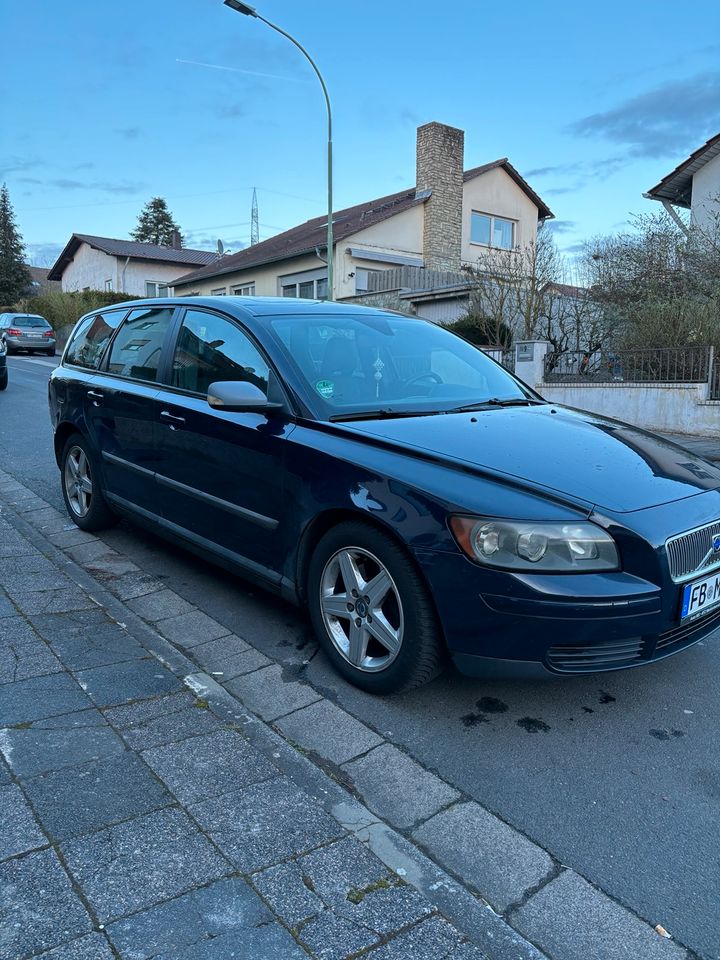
698 597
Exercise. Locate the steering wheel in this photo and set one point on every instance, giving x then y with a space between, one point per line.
433 377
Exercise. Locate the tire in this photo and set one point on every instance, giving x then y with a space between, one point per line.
87 508
3 380
400 607
50 353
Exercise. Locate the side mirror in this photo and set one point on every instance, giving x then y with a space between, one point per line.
239 396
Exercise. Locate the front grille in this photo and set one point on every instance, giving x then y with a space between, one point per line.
687 633
692 552
586 658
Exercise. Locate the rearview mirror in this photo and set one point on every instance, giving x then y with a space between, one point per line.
239 396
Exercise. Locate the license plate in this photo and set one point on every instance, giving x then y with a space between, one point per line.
700 596
35 335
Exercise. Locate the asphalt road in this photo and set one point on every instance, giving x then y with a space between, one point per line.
617 775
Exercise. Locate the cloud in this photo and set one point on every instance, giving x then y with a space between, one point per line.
662 122
129 133
560 168
16 164
561 226
125 187
231 111
574 248
204 240
558 191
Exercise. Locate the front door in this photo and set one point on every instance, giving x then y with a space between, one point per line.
220 474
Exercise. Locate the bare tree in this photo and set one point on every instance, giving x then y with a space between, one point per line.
657 284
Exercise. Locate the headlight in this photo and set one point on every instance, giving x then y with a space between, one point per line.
546 547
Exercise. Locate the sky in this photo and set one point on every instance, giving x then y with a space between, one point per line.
105 105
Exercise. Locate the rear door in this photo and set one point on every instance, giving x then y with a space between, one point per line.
221 474
122 407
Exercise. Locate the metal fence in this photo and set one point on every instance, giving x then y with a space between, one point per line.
714 393
662 365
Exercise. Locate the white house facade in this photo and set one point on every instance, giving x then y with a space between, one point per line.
126 266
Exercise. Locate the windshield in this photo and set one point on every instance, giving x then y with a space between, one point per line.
381 362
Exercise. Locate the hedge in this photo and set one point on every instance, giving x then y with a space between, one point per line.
65 309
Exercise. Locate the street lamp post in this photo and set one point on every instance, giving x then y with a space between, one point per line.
249 11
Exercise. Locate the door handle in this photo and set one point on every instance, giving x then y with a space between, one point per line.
171 419
96 397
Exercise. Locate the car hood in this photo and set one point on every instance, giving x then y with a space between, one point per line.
604 462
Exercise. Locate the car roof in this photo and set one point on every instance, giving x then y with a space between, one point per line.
27 316
254 306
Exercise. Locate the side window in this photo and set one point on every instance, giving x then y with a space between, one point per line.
89 341
209 349
135 351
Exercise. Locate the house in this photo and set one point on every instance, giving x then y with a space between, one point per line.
694 185
39 282
142 269
451 218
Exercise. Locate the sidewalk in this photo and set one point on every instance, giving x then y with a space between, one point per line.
167 793
701 446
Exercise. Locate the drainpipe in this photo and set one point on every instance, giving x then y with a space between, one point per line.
127 261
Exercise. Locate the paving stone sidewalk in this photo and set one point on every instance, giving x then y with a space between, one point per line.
168 792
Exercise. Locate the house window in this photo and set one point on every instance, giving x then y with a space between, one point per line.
315 289
154 288
108 285
491 231
244 290
218 292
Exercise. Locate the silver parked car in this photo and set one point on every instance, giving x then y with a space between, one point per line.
27 331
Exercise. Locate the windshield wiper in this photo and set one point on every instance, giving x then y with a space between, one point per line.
497 402
384 413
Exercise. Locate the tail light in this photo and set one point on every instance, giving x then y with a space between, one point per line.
14 332
49 333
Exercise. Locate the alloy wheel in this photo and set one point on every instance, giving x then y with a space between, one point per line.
361 609
78 481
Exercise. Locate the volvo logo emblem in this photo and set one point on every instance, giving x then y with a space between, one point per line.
716 543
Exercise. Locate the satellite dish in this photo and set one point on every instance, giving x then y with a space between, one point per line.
220 248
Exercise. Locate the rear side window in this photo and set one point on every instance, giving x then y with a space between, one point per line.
90 339
137 348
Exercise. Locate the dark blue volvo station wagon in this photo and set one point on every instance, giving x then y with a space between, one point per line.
419 499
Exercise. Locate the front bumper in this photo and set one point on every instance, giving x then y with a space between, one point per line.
504 624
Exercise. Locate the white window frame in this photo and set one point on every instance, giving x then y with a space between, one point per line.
493 218
109 285
157 284
219 292
295 279
244 289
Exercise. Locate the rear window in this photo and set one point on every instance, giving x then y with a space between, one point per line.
34 322
91 337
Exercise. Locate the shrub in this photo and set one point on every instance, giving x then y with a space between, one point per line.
63 310
482 332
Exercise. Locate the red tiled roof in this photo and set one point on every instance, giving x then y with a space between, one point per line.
312 234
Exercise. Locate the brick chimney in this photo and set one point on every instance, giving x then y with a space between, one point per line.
176 240
440 152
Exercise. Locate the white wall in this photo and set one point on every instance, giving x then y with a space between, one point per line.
91 268
496 193
666 408
706 196
264 277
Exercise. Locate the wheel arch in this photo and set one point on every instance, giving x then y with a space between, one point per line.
62 432
325 521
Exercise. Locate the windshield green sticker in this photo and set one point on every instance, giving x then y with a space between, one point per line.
325 388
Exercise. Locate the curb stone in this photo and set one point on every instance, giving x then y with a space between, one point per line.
465 908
